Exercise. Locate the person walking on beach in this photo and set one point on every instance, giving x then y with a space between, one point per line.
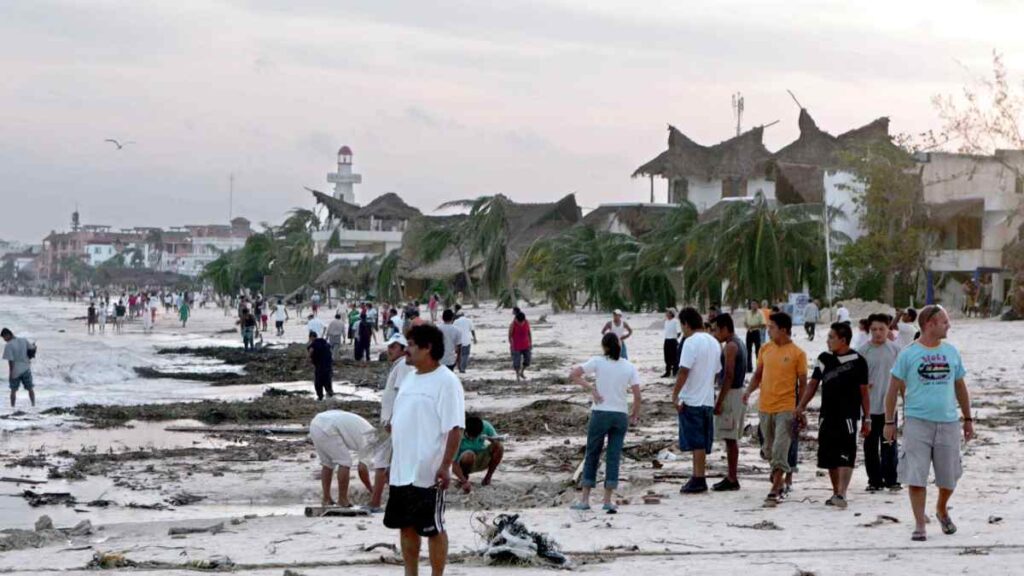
843 376
672 330
247 323
906 331
280 316
395 346
842 314
694 395
426 429
363 332
101 316
620 328
468 337
147 315
323 365
754 321
781 375
119 313
452 340
880 457
184 311
729 407
19 365
432 306
336 435
315 324
811 314
929 374
90 318
336 334
314 302
610 416
520 340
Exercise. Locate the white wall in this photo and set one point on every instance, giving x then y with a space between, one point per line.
762 185
841 190
704 193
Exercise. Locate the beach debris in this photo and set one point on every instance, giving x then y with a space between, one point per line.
21 480
762 525
218 562
100 503
387 545
973 552
184 499
881 519
183 530
667 455
509 541
156 506
83 528
44 523
48 498
995 519
656 464
16 539
108 560
292 573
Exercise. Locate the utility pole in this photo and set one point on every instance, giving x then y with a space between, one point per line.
231 197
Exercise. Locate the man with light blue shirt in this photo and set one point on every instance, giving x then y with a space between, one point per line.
930 375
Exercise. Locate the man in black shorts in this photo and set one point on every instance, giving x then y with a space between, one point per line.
426 429
843 375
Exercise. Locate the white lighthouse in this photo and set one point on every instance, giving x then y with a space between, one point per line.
344 179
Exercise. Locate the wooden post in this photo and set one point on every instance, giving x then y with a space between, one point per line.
652 188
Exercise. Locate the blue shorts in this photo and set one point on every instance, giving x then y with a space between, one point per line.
23 379
696 428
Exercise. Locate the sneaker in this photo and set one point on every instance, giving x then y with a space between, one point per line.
772 500
610 508
579 506
874 488
374 509
694 486
667 374
726 485
895 487
837 501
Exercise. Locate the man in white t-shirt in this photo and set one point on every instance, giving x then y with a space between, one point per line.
842 314
452 340
465 326
395 346
317 325
280 316
694 394
426 429
336 434
906 329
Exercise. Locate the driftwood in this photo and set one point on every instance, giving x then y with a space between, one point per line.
240 429
21 480
318 511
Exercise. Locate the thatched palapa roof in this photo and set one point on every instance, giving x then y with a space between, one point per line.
742 156
389 206
527 224
638 218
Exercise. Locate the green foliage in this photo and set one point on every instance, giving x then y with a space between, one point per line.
389 282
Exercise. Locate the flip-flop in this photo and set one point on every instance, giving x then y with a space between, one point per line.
947 524
918 536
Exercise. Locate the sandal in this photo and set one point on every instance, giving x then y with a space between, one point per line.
918 536
772 500
579 506
947 524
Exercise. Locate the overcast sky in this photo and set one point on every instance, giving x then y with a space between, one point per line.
439 100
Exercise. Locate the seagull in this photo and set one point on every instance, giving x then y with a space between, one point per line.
118 144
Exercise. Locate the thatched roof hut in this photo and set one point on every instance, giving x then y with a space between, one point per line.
635 219
527 224
742 156
389 206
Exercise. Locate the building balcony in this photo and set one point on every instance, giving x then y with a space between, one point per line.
323 236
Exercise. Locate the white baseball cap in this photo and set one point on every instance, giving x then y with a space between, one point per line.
397 339
617 312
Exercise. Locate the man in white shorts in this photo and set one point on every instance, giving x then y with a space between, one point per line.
930 375
336 434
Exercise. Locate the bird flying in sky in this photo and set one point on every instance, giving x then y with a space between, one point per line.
119 145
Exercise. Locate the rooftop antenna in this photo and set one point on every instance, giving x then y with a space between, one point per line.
793 96
737 110
75 219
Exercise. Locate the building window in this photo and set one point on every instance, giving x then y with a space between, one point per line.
734 187
679 190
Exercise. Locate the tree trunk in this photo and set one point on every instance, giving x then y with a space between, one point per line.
469 281
889 288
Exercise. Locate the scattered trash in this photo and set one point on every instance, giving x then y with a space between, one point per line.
667 455
762 525
652 500
83 528
44 523
184 499
48 498
657 465
881 519
219 562
108 560
291 572
995 519
509 541
973 552
182 530
100 503
387 545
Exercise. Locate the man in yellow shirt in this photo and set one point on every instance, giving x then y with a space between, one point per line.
781 375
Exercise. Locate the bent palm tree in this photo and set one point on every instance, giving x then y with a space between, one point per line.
486 232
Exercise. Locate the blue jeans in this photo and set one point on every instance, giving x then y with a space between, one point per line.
625 352
613 425
464 359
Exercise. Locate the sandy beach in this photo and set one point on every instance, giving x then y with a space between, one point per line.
134 480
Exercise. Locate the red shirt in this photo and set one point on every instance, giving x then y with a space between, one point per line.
521 336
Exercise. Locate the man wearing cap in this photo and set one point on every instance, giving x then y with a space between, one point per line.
382 457
620 328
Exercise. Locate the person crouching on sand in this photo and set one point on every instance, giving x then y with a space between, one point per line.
336 434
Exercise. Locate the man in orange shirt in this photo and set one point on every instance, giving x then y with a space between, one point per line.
781 375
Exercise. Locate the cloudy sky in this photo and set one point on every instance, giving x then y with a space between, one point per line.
439 99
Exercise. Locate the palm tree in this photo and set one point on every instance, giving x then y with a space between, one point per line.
389 283
487 234
430 240
763 251
155 245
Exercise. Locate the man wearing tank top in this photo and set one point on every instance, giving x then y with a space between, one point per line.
620 328
730 410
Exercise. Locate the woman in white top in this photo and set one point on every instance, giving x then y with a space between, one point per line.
620 328
614 377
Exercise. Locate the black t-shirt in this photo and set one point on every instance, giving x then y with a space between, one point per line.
840 378
320 353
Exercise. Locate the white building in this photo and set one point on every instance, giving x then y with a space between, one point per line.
973 204
208 242
353 232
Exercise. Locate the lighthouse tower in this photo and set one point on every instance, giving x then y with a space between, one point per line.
344 179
